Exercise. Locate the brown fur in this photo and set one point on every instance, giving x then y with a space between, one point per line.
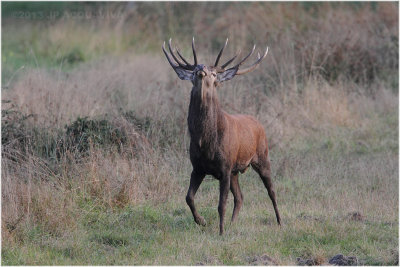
221 145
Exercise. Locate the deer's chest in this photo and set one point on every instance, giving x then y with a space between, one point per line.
205 161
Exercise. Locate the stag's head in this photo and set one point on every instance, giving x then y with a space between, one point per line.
205 78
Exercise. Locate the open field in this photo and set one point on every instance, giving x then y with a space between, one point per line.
95 162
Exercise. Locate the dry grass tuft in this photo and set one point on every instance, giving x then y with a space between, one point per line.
32 194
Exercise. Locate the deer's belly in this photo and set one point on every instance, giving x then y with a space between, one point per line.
243 160
240 167
213 165
210 166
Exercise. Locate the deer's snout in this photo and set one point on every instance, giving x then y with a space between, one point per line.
201 73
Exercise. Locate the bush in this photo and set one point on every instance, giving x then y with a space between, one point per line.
142 124
74 56
20 135
13 127
84 133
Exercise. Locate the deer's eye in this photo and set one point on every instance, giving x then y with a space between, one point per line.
214 74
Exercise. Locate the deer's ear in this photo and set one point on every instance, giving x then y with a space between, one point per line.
227 75
183 74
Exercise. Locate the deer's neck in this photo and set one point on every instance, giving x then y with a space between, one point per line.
205 121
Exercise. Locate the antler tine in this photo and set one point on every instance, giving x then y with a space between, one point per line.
187 66
230 60
241 62
172 53
220 53
168 58
255 64
194 52
179 54
245 58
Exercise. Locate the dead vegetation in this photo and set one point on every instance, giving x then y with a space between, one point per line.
111 132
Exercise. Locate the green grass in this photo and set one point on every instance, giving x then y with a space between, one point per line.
314 205
334 141
320 180
146 235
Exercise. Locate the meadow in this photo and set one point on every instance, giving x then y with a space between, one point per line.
95 164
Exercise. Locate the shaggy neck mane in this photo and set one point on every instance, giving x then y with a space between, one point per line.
205 121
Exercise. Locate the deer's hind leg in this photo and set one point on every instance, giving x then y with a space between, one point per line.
237 195
263 168
224 185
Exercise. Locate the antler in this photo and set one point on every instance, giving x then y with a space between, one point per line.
184 69
194 52
255 64
238 71
220 54
186 65
230 61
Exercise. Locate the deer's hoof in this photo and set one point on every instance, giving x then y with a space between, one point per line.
201 221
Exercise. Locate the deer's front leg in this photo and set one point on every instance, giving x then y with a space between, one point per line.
195 181
224 184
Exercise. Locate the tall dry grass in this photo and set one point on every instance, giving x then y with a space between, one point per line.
36 193
110 179
330 75
97 88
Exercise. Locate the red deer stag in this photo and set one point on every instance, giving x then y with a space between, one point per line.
221 144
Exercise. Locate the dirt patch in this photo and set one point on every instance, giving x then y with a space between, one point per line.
262 260
395 254
209 261
355 216
343 260
310 262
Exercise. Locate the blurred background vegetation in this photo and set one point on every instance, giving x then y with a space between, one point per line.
358 40
94 131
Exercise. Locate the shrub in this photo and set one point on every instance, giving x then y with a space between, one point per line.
74 56
142 124
13 127
85 132
21 135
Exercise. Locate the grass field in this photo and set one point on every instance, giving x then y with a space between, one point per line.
95 162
